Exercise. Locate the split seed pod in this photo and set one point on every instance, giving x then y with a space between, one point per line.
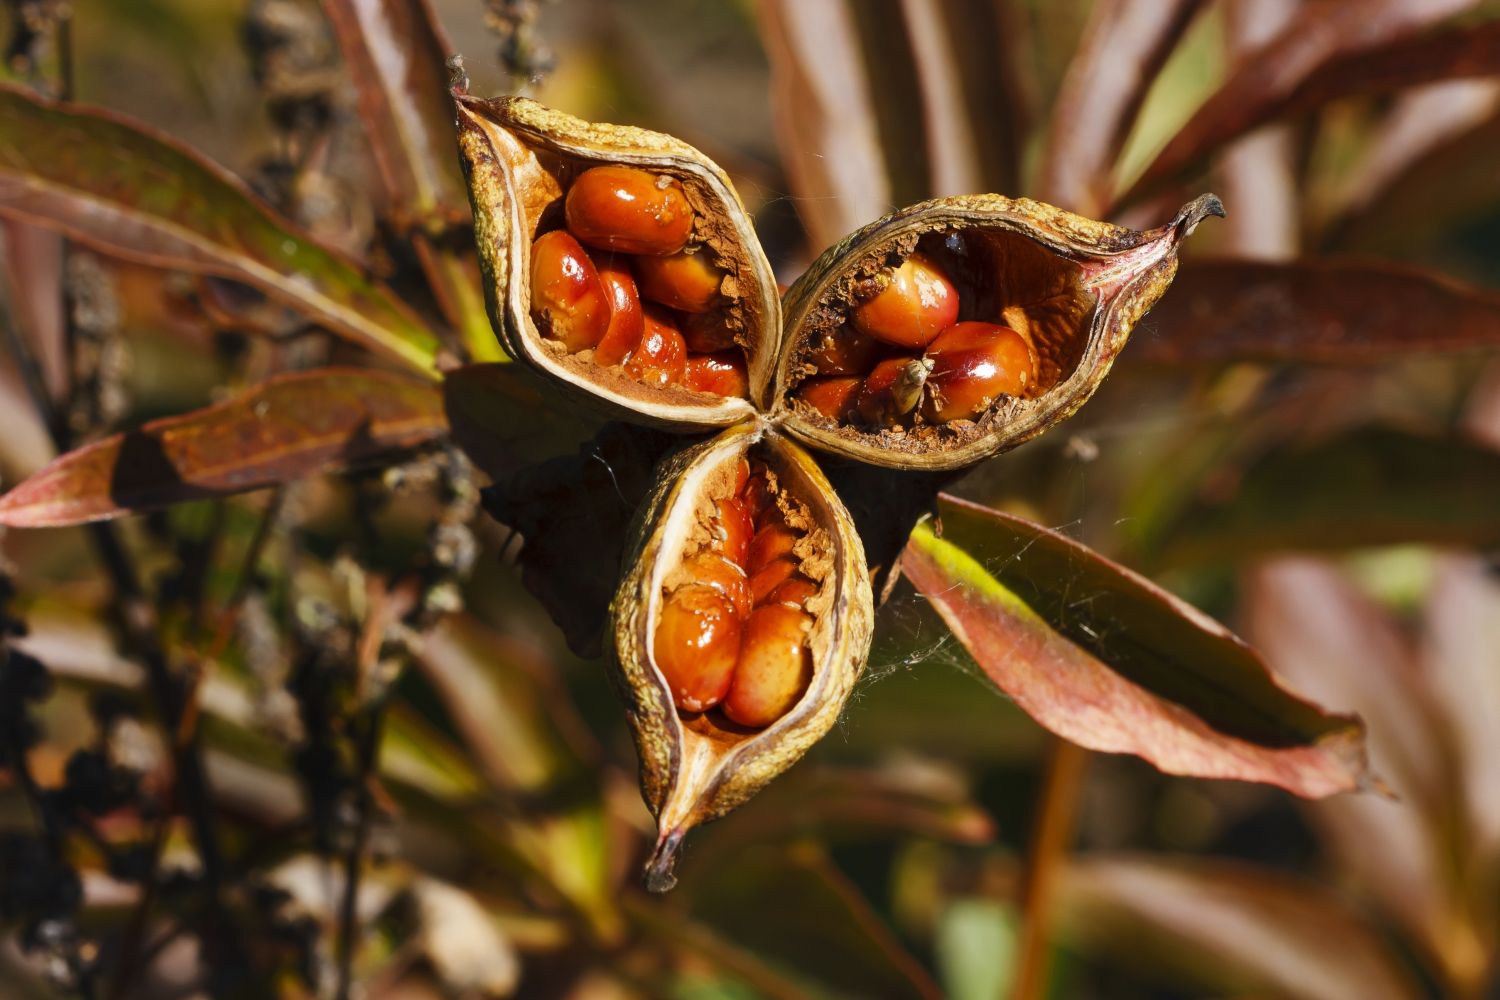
927 341
1073 287
521 159
698 766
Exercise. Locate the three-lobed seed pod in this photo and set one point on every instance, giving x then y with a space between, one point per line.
927 341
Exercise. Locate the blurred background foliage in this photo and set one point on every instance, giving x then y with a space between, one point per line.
1308 455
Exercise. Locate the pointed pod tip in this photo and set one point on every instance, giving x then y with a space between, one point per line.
1196 211
660 874
458 76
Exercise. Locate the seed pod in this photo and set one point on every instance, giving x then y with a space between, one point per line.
697 766
1071 287
522 160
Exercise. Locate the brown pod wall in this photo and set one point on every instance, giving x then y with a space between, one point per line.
521 159
696 766
1072 286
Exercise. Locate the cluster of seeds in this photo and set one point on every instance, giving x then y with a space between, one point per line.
624 280
734 634
903 351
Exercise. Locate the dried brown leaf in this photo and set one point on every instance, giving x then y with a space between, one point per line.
1325 636
1260 169
34 282
1370 486
1461 657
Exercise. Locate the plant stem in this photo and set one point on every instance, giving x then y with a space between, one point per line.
1051 835
369 750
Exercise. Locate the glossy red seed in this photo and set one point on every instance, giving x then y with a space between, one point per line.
712 569
918 304
845 351
568 300
796 591
773 541
686 280
774 668
972 365
833 397
722 374
661 356
707 332
626 320
732 529
770 576
629 210
696 646
757 494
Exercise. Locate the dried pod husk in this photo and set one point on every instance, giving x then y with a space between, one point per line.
696 766
520 158
1072 287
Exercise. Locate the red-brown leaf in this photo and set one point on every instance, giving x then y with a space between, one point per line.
1106 659
34 283
1124 45
824 117
1314 311
397 55
288 427
1332 49
1235 929
1326 636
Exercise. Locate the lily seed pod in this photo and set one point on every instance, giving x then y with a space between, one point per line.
702 757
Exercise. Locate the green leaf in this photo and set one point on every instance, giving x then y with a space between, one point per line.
1314 312
1103 657
126 189
288 427
1371 486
